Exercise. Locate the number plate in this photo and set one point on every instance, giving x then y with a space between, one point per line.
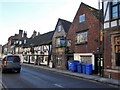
8 63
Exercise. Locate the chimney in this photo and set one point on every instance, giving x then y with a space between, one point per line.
25 34
38 33
34 34
20 33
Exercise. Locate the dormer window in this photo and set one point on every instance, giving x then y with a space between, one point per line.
82 18
59 28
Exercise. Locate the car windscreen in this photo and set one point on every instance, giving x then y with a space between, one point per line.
13 58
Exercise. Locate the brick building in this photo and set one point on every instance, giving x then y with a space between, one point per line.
15 41
83 36
59 43
111 38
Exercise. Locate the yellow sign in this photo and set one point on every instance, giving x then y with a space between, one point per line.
59 50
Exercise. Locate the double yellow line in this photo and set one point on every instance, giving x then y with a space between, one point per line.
2 85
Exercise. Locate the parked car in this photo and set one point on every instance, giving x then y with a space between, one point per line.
11 62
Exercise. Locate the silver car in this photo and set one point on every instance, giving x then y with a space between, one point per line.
11 62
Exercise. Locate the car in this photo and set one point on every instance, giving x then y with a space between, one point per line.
11 62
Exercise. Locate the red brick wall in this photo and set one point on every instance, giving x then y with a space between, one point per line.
109 56
92 24
107 51
113 75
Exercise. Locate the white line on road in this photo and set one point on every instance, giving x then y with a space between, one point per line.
58 85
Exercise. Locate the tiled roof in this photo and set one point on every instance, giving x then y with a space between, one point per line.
97 13
66 24
43 39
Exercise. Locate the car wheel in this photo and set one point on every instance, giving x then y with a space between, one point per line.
18 71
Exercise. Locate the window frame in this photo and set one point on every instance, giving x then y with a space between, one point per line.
56 41
59 28
118 10
82 18
82 38
69 43
115 45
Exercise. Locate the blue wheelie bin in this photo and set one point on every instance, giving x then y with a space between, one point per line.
88 69
69 64
79 67
83 68
72 65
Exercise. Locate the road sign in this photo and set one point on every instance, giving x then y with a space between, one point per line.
98 49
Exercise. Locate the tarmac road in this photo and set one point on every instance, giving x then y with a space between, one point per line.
35 78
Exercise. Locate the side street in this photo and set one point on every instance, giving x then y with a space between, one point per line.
87 48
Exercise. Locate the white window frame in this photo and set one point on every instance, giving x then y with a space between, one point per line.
59 28
82 37
82 18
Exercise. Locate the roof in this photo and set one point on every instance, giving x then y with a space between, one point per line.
43 39
94 11
66 24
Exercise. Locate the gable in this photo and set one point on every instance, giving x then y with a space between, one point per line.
65 25
83 9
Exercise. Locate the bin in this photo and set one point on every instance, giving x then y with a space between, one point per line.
72 65
88 69
69 64
79 67
83 68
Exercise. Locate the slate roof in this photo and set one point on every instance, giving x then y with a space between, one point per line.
43 39
66 24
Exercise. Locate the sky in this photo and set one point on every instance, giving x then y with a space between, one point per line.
39 15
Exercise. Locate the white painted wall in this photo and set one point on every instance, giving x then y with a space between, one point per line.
78 58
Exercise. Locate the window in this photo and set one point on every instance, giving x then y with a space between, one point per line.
25 41
115 9
114 2
69 43
82 37
82 18
58 60
57 42
20 42
117 50
59 28
16 42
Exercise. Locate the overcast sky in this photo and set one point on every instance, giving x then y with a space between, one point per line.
39 15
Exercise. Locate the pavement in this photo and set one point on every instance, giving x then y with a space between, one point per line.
79 75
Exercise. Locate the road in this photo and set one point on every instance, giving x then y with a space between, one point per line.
35 78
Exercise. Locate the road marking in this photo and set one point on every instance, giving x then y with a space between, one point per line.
3 85
58 85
